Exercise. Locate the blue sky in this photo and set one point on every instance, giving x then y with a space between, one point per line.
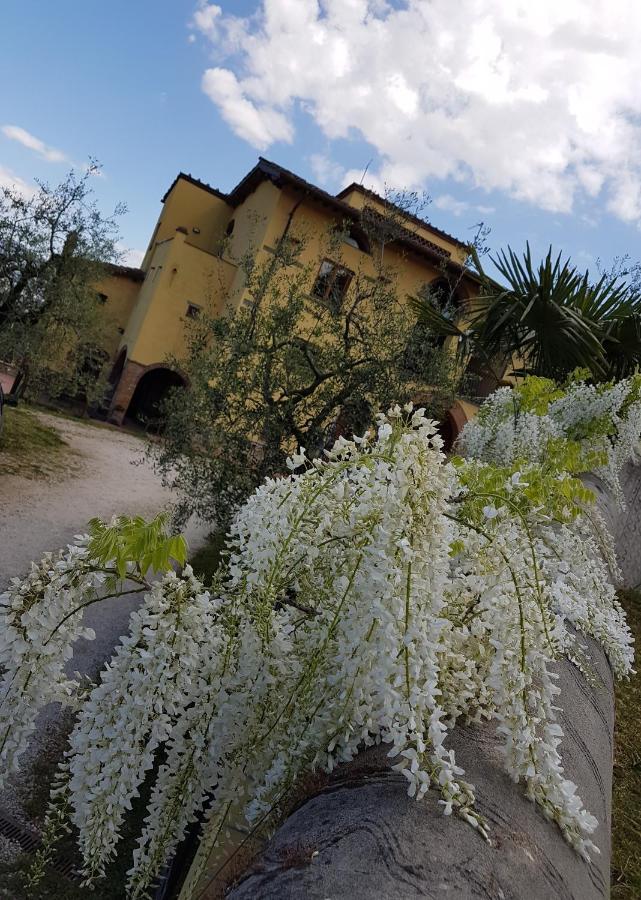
494 134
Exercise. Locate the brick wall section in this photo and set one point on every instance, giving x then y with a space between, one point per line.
125 388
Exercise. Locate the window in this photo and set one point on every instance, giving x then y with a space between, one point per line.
230 227
193 311
357 238
102 298
443 297
331 283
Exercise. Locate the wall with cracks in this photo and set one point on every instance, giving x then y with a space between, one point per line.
363 838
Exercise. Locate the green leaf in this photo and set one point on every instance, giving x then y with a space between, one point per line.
129 543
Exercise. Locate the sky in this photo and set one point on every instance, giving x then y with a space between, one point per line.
525 116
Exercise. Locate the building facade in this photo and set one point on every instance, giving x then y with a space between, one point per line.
192 262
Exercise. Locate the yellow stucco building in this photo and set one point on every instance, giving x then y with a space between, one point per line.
192 261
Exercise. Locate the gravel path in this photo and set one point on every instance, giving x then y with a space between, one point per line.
103 478
106 475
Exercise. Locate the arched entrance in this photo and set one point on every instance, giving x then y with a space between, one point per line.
447 430
147 403
452 422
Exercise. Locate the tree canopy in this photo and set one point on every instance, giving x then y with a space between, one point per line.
315 353
54 244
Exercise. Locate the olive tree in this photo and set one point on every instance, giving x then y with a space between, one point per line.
54 244
314 352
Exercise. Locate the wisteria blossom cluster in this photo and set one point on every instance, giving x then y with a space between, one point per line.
41 620
600 423
379 594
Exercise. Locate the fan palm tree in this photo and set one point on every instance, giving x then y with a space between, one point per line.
551 319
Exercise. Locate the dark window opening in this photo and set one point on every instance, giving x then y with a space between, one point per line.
420 356
193 311
332 283
357 238
230 227
102 298
445 299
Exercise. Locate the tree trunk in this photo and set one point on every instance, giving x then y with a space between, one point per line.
363 838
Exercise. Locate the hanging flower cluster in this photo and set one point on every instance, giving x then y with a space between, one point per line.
40 620
593 427
142 691
380 594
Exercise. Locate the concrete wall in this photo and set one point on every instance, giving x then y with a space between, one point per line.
179 274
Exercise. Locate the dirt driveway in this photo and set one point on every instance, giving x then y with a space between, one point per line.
102 478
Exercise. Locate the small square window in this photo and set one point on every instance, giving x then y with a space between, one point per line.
102 298
331 283
193 311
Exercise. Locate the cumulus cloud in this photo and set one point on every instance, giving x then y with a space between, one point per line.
457 207
327 171
260 125
537 100
31 142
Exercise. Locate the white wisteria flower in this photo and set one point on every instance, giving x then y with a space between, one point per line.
378 594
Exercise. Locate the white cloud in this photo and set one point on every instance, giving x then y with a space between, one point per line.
327 172
539 101
31 142
457 207
451 204
129 256
206 19
9 179
259 125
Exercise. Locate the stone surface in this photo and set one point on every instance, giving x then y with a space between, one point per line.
372 841
624 524
363 838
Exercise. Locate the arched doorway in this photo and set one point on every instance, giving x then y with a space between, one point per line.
448 431
452 422
147 403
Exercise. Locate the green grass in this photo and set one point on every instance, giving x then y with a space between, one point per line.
30 448
626 794
206 560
